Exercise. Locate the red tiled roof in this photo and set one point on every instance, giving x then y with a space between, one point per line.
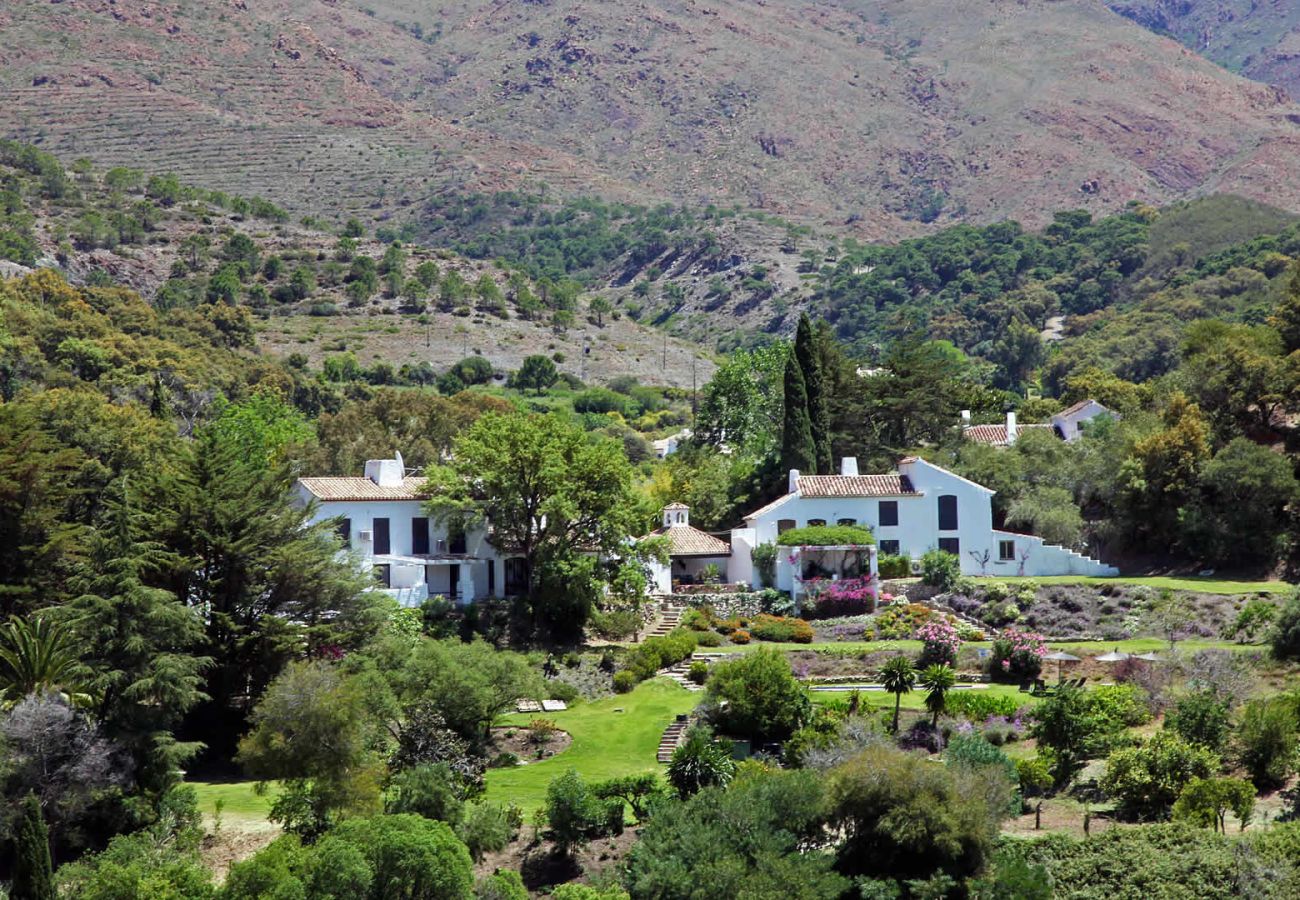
1069 410
355 487
686 540
994 434
854 485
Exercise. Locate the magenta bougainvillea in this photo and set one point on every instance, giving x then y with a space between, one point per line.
941 642
846 597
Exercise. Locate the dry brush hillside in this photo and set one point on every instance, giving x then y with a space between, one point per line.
873 114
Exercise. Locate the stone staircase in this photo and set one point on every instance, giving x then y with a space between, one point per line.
668 743
670 616
960 617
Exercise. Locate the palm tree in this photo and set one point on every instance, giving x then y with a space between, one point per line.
898 676
937 680
37 655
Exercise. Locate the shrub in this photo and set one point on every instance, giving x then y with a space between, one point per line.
1201 718
410 856
1285 635
740 636
978 706
431 791
846 597
941 642
700 762
624 681
1017 655
940 569
637 791
1122 705
699 672
574 814
1147 780
757 697
1266 742
503 884
489 827
779 629
826 536
656 653
1206 801
901 621
890 566
615 624
764 559
708 639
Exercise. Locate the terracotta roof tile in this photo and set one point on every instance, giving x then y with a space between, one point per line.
1069 410
995 434
356 487
854 485
686 540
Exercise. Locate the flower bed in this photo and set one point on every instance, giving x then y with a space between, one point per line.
740 603
941 642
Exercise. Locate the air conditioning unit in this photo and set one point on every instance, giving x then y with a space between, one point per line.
367 536
914 565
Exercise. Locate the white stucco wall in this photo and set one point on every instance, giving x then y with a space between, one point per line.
917 530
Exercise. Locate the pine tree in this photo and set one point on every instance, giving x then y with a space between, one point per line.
139 641
33 871
806 352
797 448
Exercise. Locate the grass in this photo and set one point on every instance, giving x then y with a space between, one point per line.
1182 583
606 744
240 804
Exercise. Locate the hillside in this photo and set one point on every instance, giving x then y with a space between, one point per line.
884 118
310 291
1258 40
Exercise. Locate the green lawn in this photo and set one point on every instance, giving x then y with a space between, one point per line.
1209 585
606 744
1129 645
915 700
241 806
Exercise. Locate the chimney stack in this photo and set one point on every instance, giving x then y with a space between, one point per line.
1011 427
849 465
386 472
965 419
794 481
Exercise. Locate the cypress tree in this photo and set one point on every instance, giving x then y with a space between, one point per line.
806 352
797 448
33 871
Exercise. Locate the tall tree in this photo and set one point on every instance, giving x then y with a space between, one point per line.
33 872
798 450
1286 318
270 586
551 492
809 356
139 644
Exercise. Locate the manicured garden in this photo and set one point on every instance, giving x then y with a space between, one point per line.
1205 585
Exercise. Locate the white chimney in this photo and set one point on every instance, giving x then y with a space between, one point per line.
794 481
849 465
385 472
965 418
1011 427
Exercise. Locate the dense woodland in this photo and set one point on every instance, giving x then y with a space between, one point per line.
170 617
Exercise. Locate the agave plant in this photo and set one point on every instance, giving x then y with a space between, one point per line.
38 655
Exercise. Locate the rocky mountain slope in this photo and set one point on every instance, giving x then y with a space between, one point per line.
883 118
1258 40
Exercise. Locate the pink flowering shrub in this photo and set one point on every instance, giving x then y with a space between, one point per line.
1017 655
847 597
941 642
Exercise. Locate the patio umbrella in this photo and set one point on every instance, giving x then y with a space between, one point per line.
1149 657
1113 656
1061 657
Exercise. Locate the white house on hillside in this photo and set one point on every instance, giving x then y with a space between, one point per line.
1068 424
382 520
691 550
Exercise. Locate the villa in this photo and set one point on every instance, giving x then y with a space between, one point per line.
1068 425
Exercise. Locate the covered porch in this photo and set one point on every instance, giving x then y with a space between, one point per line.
413 579
802 569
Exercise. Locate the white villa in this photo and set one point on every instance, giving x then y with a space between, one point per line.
1067 424
920 507
382 521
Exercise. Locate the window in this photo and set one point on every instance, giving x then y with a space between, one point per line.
382 544
1006 550
456 537
849 522
950 545
816 523
889 548
784 525
492 578
516 577
419 536
888 512
384 575
947 513
345 532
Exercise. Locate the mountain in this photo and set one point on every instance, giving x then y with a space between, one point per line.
882 118
1258 40
298 289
